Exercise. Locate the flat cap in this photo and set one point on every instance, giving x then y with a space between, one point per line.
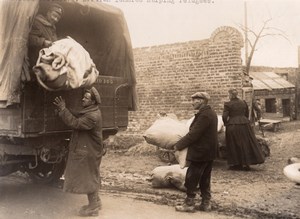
95 94
201 95
57 8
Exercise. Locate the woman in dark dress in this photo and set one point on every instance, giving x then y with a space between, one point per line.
242 146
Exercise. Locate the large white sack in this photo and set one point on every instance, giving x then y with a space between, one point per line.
168 176
220 124
292 172
180 156
165 132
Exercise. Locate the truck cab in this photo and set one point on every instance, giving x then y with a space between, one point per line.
33 139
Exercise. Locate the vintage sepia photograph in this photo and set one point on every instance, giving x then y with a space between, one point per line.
145 109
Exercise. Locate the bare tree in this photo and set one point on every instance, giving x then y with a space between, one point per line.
254 37
265 31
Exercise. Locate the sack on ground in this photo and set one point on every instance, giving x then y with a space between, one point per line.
168 176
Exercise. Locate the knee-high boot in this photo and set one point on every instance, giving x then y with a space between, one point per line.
92 209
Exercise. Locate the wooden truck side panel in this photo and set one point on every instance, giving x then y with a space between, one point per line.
36 115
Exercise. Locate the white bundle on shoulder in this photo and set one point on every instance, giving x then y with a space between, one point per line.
165 132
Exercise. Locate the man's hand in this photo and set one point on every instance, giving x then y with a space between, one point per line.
60 103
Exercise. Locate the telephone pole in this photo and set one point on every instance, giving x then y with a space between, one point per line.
246 35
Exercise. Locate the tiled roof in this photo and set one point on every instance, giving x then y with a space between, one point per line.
269 81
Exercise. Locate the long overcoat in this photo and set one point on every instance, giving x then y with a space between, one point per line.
241 143
85 150
202 139
41 30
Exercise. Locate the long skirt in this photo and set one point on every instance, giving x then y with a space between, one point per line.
242 145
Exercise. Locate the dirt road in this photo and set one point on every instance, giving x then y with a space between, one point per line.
263 192
22 199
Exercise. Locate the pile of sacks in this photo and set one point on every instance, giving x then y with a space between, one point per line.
164 133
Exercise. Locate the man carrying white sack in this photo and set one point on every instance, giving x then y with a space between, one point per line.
202 144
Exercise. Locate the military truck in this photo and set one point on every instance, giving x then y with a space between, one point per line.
32 137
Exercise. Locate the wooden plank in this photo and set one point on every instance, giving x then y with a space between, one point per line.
269 121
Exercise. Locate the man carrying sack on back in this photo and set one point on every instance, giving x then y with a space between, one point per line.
202 144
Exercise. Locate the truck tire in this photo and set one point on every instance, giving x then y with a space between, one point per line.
47 173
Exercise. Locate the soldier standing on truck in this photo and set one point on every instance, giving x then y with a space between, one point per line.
82 174
43 31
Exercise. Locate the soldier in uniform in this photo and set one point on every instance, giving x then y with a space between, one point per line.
82 174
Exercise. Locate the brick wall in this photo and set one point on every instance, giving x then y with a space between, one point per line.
167 75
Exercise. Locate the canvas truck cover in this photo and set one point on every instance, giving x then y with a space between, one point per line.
101 29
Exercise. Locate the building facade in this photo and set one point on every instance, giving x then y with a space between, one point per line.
167 76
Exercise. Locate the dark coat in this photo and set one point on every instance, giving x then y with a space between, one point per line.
202 139
241 143
41 30
235 112
85 150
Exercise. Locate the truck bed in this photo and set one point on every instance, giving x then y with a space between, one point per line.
35 116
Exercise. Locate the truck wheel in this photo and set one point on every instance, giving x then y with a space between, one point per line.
46 173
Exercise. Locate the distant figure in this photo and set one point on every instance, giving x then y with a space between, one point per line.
43 31
256 111
202 144
82 174
242 146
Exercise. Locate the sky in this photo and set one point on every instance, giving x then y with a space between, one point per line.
157 22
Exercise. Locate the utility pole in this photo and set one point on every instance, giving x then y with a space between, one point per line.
246 34
250 90
297 102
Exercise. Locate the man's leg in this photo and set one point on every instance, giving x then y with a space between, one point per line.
205 187
192 178
92 209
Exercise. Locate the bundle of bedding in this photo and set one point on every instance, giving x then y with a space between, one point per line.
65 65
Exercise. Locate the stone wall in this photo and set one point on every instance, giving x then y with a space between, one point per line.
167 75
278 95
291 75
